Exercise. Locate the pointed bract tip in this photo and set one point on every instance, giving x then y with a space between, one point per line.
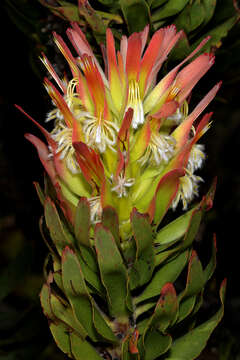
215 241
66 251
168 288
223 289
193 255
224 283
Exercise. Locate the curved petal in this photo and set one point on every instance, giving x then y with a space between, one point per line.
44 156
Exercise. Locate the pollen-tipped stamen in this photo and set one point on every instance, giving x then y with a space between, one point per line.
100 133
63 137
135 102
160 149
122 184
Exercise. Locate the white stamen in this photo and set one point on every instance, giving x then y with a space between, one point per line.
100 133
177 117
122 184
63 137
135 102
95 209
196 158
188 189
160 149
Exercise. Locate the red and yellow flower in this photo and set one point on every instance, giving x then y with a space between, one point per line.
121 137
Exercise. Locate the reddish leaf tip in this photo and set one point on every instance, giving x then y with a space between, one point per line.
215 241
66 251
168 288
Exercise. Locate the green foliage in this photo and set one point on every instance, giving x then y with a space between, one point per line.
198 18
136 14
103 296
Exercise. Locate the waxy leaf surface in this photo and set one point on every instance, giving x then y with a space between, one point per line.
113 271
82 222
59 234
144 264
180 349
166 273
80 299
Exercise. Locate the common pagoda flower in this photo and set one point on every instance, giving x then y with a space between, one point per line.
122 136
123 150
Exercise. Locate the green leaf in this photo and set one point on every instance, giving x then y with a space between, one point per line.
45 302
216 34
174 231
165 193
110 221
192 225
94 20
57 275
89 257
144 264
191 17
189 236
156 344
209 8
61 336
46 236
113 271
198 302
189 346
195 277
166 273
210 268
192 229
181 50
163 256
125 349
144 307
195 283
82 350
68 11
107 2
83 306
59 234
172 7
91 277
166 309
136 14
82 222
155 3
64 313
40 192
14 274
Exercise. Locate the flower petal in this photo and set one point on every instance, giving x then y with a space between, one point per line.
113 72
152 99
90 164
168 109
191 74
53 73
181 133
66 53
165 193
123 141
59 101
44 156
133 59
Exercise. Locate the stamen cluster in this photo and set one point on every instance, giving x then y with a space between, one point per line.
120 135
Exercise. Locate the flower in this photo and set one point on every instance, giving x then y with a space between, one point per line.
122 137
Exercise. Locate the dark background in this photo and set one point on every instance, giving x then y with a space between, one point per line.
20 208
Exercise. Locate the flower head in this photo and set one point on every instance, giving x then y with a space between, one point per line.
121 136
